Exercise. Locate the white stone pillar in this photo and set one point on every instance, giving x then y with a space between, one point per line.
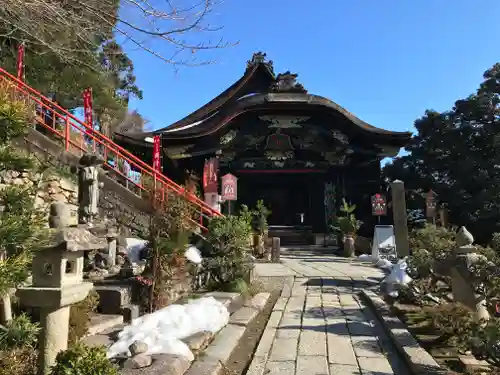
111 251
6 309
212 199
53 337
400 220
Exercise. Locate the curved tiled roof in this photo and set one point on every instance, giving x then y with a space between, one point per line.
257 87
257 101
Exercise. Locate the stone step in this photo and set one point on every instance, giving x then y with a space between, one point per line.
104 327
102 322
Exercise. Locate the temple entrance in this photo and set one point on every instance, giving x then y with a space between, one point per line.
288 196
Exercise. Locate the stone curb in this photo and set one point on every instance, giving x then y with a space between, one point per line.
260 356
470 363
216 356
417 359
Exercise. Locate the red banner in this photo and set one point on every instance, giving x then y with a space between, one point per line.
210 176
20 62
156 152
229 187
87 109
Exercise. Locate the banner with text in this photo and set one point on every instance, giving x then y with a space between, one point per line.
87 109
156 152
210 183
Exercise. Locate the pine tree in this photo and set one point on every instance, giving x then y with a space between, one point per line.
21 223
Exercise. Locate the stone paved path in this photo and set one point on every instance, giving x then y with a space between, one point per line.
318 326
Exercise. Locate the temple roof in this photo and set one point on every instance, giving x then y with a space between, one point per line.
258 88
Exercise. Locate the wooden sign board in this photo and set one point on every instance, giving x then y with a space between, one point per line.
229 187
379 205
430 204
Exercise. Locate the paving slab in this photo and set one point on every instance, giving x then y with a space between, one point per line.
284 350
344 370
288 333
312 343
340 350
366 346
280 368
312 365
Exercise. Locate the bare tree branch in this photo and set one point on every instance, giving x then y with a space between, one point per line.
69 28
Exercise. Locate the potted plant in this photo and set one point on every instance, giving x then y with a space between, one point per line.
261 213
348 226
247 215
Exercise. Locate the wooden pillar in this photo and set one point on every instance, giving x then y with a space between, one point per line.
443 216
400 220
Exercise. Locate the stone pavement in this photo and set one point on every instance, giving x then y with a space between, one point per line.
318 326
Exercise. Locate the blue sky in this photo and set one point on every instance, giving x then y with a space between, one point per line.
385 61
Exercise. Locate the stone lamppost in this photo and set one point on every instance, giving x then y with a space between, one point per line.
57 284
463 284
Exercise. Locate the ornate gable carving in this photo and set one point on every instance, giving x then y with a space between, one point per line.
287 82
279 142
284 122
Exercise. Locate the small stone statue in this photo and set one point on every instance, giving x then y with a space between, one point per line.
88 188
464 238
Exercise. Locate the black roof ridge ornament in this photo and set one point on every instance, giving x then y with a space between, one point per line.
287 83
260 58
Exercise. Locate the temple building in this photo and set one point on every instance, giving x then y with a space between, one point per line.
299 152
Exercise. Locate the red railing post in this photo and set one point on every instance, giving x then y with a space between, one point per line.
154 183
67 133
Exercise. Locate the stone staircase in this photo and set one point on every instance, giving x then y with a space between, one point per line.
292 236
66 138
125 199
103 328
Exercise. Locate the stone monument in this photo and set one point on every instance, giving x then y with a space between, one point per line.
57 272
463 284
275 250
400 220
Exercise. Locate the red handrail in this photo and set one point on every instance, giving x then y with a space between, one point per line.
71 123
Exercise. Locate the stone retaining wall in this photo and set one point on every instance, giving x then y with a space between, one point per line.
127 210
49 188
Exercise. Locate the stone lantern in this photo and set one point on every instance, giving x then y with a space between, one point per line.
58 283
